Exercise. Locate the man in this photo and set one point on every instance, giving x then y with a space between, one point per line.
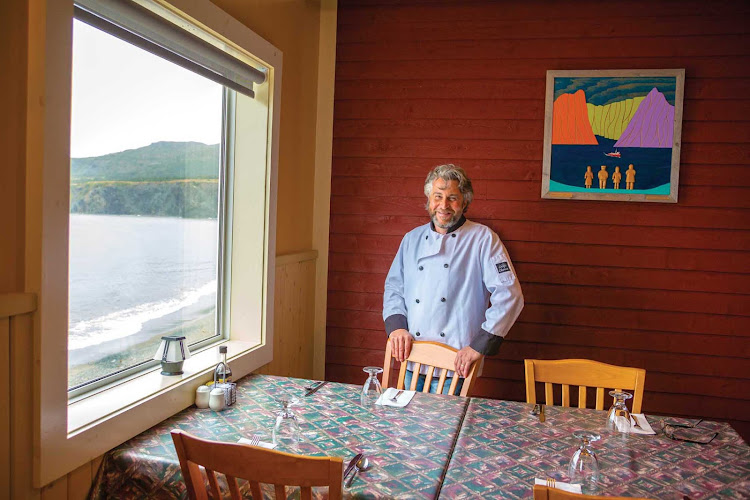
444 276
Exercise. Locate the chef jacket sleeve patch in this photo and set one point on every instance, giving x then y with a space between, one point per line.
502 267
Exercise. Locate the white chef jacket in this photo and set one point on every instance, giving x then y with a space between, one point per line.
451 286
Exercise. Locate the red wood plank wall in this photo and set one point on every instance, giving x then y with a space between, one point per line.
661 286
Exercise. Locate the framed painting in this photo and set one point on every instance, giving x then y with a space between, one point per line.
613 135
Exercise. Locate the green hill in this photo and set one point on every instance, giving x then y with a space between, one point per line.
159 161
175 179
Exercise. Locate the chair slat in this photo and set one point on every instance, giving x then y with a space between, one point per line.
415 376
234 489
599 398
441 380
428 377
401 377
255 489
280 491
212 481
548 396
454 384
565 395
581 396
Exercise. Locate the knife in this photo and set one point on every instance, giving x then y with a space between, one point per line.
351 465
313 389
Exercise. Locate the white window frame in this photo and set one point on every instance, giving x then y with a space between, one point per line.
93 424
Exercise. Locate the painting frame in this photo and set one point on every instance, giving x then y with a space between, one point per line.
570 169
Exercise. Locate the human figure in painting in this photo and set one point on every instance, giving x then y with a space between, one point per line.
630 177
589 177
616 177
603 177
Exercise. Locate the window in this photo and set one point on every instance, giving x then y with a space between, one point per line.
146 174
152 150
199 37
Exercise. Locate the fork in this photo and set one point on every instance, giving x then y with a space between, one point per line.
395 398
635 422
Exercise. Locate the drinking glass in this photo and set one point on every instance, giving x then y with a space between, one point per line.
286 431
584 467
371 391
618 418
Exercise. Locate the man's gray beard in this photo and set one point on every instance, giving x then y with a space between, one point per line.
449 224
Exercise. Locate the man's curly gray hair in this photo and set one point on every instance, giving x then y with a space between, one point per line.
450 172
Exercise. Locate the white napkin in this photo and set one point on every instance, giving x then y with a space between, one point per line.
261 444
403 399
641 419
570 488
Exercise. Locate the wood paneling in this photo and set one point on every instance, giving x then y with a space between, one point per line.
665 287
294 304
16 411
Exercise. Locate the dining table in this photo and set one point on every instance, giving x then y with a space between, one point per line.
502 448
408 448
435 447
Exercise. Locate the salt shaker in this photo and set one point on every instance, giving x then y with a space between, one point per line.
202 396
216 399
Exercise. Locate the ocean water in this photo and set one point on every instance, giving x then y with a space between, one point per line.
653 166
133 277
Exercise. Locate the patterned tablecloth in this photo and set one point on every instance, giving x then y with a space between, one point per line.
408 447
501 449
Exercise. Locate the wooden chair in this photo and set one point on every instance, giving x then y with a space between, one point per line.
254 464
545 493
435 356
584 373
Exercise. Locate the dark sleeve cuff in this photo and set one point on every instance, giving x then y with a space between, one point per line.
395 322
486 343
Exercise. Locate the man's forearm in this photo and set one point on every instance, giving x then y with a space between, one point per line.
486 343
395 322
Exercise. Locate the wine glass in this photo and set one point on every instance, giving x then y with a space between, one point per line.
584 467
618 418
286 431
371 391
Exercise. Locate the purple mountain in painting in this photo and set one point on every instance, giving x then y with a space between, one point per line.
652 125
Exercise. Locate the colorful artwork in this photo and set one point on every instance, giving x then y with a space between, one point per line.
613 135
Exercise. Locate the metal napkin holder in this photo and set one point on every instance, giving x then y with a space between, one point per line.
229 388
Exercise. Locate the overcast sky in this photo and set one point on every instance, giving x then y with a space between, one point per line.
125 98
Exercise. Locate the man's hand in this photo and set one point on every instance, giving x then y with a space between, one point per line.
401 341
464 358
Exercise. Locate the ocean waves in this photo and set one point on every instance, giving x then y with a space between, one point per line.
132 321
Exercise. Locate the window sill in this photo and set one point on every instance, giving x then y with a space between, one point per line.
114 414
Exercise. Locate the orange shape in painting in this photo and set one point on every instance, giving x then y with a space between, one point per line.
570 120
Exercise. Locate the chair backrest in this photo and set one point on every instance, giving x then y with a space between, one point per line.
584 373
435 356
257 465
545 493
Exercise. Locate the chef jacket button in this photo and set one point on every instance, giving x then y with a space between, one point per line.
453 235
445 265
417 301
442 300
421 268
418 334
442 334
426 237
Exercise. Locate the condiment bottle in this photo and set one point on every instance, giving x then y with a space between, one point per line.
223 372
